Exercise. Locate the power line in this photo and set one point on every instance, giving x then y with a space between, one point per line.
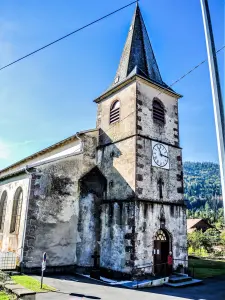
69 34
193 69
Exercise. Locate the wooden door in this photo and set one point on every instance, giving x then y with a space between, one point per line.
160 252
157 256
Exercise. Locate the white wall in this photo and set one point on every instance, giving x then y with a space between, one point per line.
14 242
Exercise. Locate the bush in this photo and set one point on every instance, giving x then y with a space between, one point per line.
198 240
222 238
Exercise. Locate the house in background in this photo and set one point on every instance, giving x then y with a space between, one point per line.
198 224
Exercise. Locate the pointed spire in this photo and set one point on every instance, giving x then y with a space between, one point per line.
138 57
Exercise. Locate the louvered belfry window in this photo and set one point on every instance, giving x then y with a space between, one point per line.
158 112
114 112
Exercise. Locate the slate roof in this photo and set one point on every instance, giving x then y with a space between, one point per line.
138 56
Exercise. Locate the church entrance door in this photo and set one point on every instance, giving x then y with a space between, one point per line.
161 252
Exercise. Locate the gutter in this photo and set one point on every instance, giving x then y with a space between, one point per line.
82 143
26 212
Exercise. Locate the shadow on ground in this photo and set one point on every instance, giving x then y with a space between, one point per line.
76 287
83 296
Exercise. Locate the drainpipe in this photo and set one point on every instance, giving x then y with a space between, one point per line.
82 143
26 211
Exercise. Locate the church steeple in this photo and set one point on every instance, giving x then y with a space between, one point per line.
138 57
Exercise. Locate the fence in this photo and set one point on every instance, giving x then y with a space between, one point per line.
8 261
162 270
145 271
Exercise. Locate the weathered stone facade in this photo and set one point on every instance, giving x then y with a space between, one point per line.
99 191
133 192
50 207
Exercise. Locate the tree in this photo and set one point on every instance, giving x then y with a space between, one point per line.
213 236
199 240
222 238
202 191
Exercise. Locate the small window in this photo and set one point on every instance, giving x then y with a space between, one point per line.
16 211
158 112
114 112
3 203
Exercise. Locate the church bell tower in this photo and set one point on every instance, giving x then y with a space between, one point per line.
143 215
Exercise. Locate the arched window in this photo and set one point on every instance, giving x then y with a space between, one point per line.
114 112
160 236
158 112
16 211
3 202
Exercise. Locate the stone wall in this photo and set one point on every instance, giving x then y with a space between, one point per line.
147 176
92 193
117 236
54 209
145 124
117 164
150 204
132 181
127 125
148 223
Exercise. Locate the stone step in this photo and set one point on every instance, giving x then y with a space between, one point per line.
12 273
20 292
146 283
180 274
177 279
184 283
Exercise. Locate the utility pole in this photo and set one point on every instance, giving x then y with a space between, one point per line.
216 93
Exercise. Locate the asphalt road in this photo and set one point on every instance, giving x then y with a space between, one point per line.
79 288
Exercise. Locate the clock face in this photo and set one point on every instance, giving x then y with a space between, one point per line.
160 155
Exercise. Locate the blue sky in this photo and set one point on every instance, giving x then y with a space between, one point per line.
48 96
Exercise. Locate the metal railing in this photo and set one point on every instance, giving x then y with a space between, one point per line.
155 270
181 266
162 269
8 260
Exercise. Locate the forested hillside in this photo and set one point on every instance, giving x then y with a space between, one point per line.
203 190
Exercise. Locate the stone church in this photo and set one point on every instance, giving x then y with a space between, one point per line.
115 191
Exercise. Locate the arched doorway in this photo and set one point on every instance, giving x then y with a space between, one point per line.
161 251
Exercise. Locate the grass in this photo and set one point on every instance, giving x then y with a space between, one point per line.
31 283
4 296
204 268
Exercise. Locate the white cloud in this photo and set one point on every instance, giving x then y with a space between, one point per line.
7 148
5 151
7 29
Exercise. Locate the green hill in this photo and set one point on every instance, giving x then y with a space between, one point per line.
202 190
